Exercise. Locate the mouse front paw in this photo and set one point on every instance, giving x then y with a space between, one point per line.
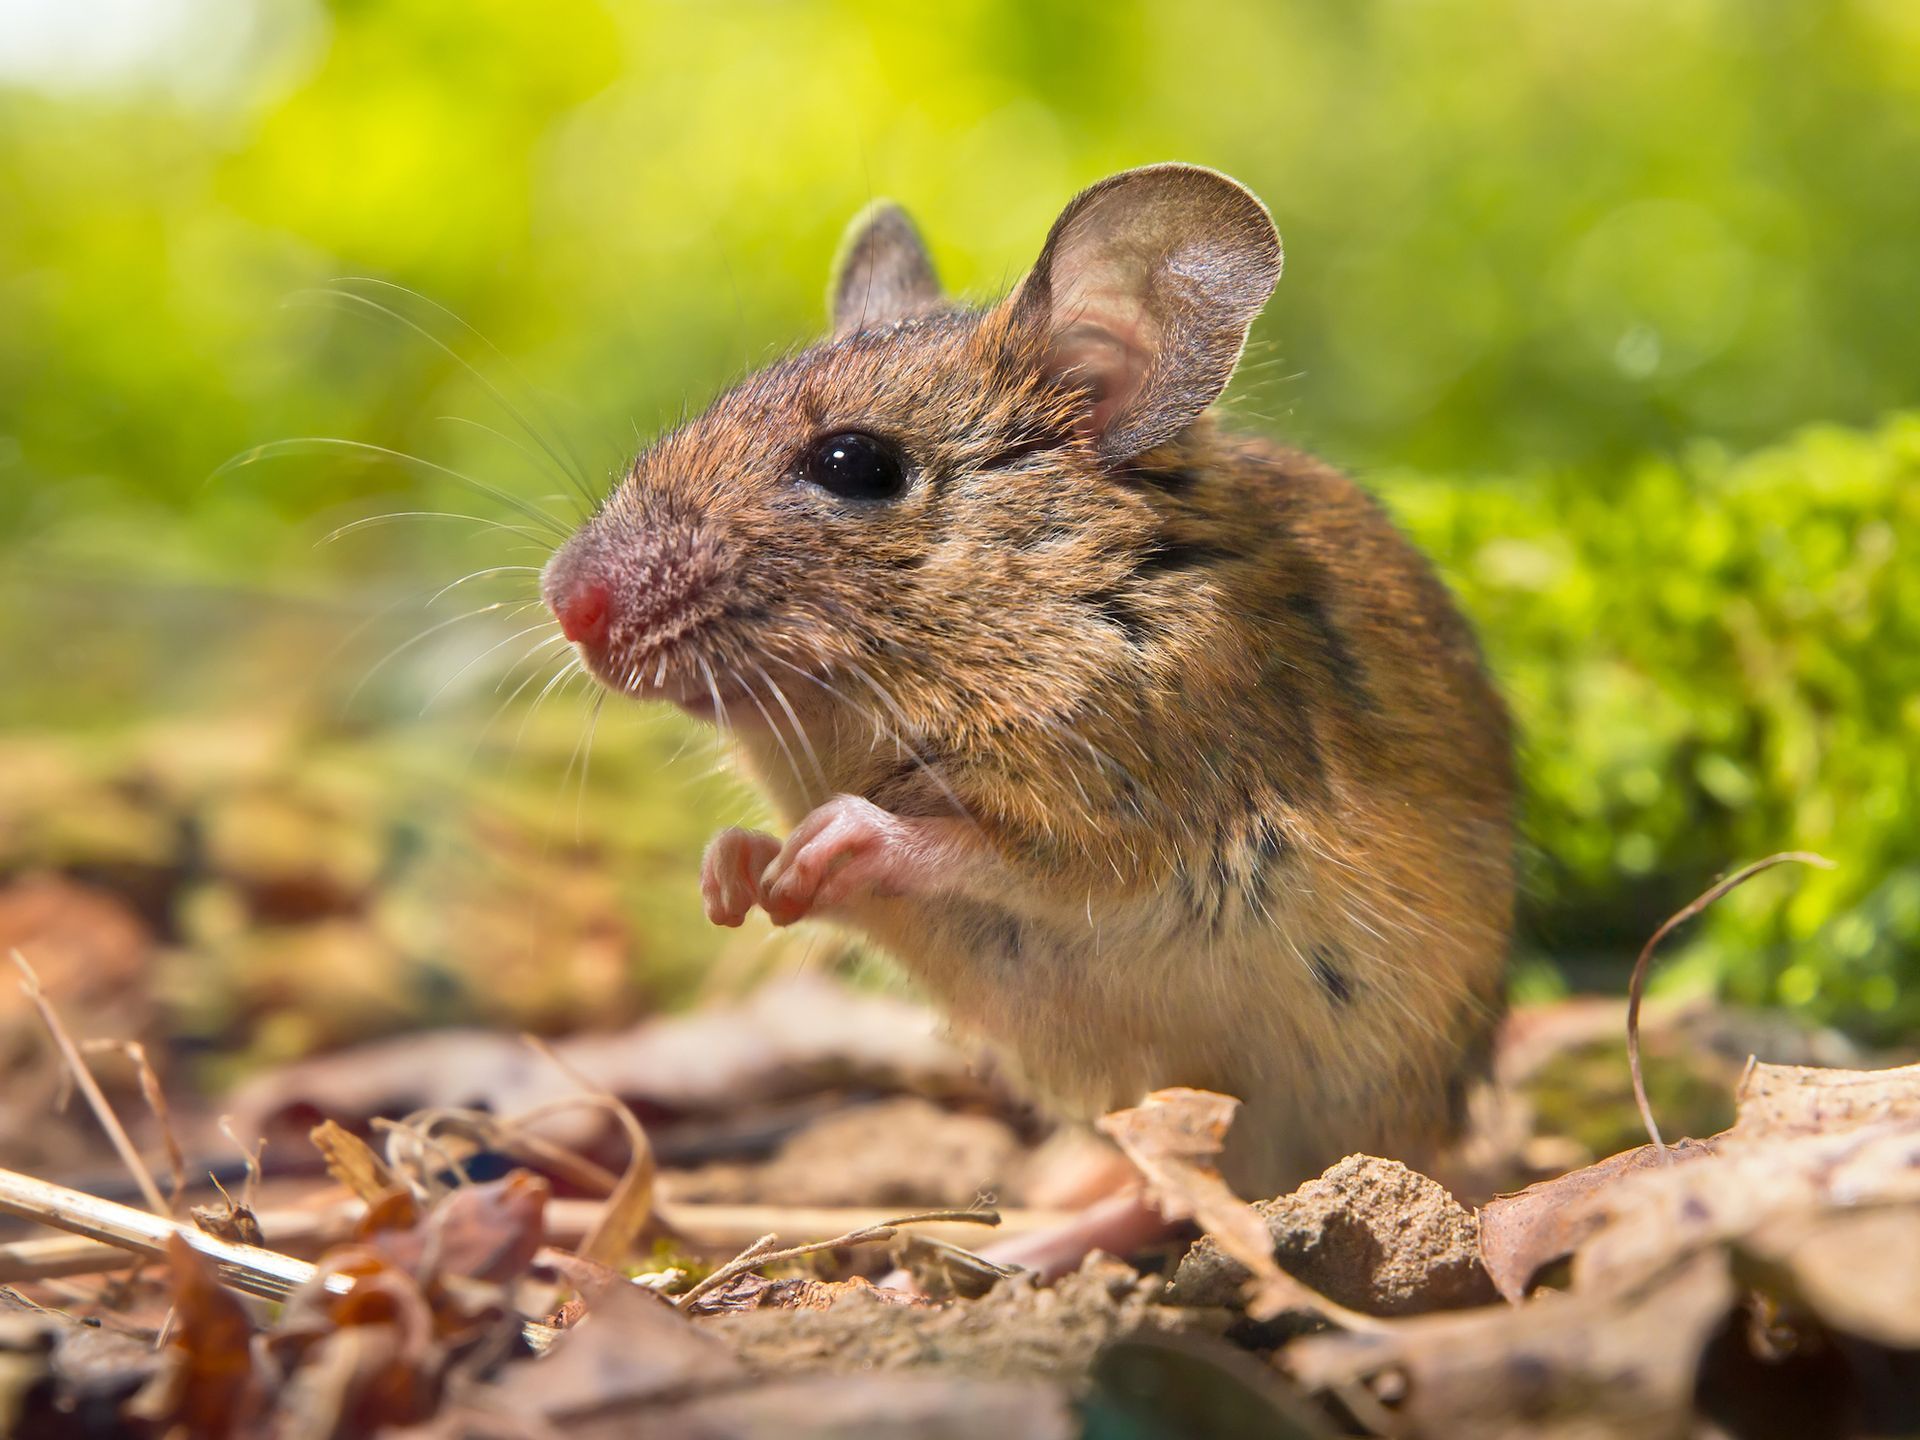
730 874
843 847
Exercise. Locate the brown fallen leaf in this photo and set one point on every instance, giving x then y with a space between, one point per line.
212 1388
1858 1270
785 1039
1777 1100
1173 1137
389 1375
632 1346
1595 1367
351 1161
1521 1234
1656 1214
484 1232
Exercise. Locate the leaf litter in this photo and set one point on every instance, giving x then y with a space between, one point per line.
497 1247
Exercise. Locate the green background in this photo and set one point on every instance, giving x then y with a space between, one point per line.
1617 304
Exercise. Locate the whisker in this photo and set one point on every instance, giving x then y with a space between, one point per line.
480 575
507 704
368 522
536 462
574 666
494 648
721 720
576 474
793 765
583 757
925 766
799 730
320 444
427 634
893 707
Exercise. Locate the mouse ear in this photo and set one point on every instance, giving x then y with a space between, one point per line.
1145 290
882 273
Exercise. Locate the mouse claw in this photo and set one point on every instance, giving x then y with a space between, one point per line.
730 874
846 845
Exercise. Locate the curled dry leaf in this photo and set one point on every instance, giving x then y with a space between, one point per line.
1173 1137
1777 1100
1858 1270
1656 1214
1806 1141
1622 1365
1523 1233
212 1389
484 1232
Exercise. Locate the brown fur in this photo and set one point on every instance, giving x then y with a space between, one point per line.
1247 784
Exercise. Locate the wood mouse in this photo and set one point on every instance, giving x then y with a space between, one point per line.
1151 750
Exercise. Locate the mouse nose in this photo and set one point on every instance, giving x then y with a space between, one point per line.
583 608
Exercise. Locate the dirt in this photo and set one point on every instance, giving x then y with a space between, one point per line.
1369 1233
1018 1330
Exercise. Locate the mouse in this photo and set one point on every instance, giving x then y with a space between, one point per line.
1146 745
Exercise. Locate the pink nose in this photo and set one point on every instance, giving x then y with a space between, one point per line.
583 610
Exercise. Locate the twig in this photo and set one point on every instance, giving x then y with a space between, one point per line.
1639 977
247 1268
701 1226
250 1269
765 1251
83 1077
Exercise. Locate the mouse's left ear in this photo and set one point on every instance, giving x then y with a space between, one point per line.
882 272
1144 294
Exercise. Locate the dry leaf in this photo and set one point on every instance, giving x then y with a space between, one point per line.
351 1161
782 1041
1622 1365
213 1391
631 1346
1776 1100
1521 1234
1173 1137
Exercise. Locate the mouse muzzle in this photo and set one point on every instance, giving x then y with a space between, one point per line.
633 602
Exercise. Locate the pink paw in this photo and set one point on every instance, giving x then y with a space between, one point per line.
845 846
730 874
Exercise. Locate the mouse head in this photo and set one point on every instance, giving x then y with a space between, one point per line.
933 499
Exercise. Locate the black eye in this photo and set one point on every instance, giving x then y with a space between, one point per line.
856 467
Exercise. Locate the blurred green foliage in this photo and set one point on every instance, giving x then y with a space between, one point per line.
1713 659
1525 239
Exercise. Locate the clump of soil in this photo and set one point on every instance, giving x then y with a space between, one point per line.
1369 1233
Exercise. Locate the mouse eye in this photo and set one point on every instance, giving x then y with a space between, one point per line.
856 467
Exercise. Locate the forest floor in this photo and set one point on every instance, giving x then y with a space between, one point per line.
670 1219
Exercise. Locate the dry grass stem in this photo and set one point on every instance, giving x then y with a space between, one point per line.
89 1087
766 1251
156 1099
1638 981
